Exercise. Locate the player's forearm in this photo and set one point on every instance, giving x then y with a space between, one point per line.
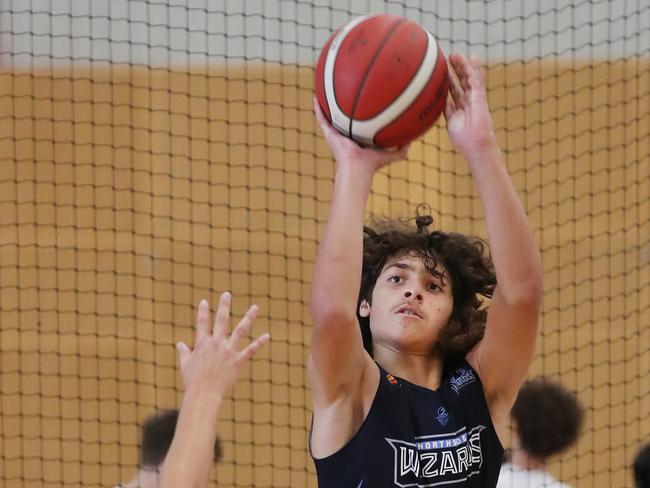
337 274
190 458
512 245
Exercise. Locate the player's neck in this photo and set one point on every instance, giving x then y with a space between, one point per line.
425 371
522 459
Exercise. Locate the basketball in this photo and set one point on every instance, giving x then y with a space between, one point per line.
382 80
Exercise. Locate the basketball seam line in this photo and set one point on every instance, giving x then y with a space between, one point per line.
367 73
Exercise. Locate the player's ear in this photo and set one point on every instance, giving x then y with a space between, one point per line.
364 309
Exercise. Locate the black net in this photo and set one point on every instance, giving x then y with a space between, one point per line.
154 153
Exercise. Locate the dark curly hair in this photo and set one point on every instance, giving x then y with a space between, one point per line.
157 435
465 263
548 417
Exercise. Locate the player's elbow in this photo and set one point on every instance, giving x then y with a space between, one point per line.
526 292
529 293
328 315
327 308
533 295
533 289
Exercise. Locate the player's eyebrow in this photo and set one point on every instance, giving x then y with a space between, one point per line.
400 265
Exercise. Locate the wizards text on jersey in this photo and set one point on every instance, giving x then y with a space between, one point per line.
437 460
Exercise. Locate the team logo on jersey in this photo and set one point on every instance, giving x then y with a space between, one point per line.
391 379
460 378
443 416
437 460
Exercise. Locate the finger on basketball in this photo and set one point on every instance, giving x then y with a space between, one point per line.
449 108
401 152
462 69
477 78
324 124
456 92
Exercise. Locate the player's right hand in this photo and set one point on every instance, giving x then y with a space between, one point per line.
346 151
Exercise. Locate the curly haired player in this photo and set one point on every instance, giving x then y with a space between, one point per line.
425 402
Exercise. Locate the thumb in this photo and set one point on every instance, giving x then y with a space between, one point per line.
183 353
402 152
449 109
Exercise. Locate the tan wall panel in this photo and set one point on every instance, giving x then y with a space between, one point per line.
126 195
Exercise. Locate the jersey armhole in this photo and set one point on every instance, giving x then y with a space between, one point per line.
484 400
380 372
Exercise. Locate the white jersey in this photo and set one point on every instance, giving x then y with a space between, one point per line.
512 476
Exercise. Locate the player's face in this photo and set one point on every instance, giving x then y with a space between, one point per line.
410 306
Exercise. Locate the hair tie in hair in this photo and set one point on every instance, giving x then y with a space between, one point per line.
423 218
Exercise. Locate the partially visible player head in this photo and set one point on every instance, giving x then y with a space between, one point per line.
157 434
642 467
547 418
423 289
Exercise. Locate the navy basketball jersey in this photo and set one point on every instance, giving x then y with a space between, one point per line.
416 437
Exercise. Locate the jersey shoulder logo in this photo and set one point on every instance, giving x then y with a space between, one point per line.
391 379
461 377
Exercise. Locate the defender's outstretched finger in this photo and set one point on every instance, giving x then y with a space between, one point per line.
203 321
222 316
244 325
255 346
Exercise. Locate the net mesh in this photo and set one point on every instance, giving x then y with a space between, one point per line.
155 153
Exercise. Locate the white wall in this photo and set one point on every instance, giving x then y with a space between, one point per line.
160 33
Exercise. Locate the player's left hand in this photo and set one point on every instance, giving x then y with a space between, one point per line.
469 122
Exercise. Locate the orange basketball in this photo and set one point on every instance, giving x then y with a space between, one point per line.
382 80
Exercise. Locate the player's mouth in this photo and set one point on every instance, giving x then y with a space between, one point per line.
409 311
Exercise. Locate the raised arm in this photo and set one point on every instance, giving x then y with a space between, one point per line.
502 358
209 373
337 357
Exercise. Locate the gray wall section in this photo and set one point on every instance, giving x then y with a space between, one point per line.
161 33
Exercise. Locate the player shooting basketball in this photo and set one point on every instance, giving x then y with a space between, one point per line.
427 400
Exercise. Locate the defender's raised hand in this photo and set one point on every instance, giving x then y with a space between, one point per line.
215 362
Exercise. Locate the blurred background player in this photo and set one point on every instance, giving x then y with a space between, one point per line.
546 420
156 437
642 467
